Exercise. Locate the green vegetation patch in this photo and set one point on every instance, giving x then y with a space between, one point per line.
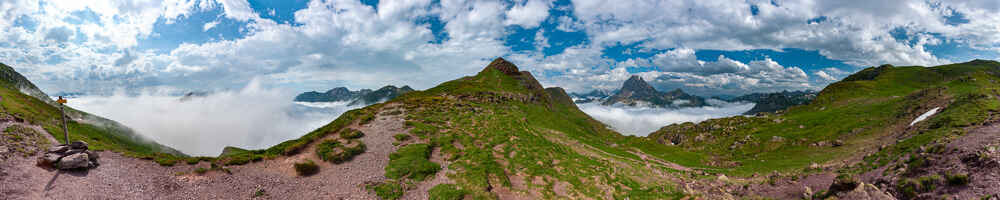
306 168
446 192
292 147
387 190
957 179
411 161
337 152
351 134
401 137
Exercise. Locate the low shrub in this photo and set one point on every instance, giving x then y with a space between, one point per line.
306 168
844 182
351 134
957 179
928 183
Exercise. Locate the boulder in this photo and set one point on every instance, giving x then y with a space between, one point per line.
867 192
93 156
78 145
75 161
48 159
58 148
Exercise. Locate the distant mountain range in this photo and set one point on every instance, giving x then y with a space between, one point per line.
594 95
359 97
771 102
637 92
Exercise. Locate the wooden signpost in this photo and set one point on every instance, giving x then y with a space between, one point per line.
62 103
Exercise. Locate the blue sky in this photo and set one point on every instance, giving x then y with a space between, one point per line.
704 47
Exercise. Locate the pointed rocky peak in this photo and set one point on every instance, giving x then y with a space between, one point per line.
637 84
339 90
503 66
406 88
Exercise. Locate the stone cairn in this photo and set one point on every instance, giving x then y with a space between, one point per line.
67 157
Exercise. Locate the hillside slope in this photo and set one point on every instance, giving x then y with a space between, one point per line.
864 127
23 100
496 135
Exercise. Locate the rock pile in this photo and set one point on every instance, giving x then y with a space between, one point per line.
72 156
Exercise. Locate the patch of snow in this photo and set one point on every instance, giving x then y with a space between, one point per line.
924 116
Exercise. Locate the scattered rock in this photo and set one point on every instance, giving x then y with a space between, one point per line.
723 178
866 191
78 145
58 148
815 166
74 161
49 159
837 143
73 156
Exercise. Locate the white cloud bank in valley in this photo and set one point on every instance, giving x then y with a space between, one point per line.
252 117
641 121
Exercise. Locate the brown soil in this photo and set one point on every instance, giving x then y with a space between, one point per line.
123 177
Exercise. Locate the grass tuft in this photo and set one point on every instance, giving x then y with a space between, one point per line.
387 190
411 161
307 168
446 192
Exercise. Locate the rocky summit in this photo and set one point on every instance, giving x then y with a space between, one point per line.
637 92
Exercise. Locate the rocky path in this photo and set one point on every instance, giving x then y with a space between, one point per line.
120 177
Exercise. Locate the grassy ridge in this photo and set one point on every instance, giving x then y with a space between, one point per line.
491 128
855 113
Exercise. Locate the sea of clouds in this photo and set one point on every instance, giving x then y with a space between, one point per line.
641 121
252 117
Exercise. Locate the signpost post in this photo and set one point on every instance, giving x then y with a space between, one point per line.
62 103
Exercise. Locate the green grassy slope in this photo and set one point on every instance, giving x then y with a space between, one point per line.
498 128
848 119
22 99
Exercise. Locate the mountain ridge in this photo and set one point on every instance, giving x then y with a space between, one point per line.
637 92
359 97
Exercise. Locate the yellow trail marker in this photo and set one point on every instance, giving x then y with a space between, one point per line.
62 103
